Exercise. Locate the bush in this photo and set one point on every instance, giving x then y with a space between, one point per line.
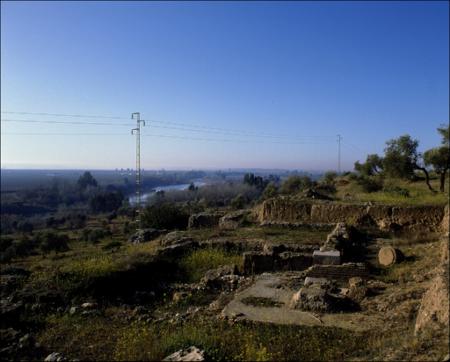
25 226
106 202
238 202
326 188
112 245
396 190
165 216
50 241
5 243
271 190
24 246
75 221
370 184
294 184
329 177
95 235
11 249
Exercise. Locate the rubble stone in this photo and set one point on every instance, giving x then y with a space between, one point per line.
313 298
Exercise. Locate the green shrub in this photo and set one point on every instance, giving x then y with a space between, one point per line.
95 235
396 190
165 216
329 177
294 184
11 249
238 202
271 190
115 244
370 184
50 241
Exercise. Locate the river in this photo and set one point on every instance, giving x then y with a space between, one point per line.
146 195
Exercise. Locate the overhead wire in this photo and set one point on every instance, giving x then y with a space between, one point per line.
186 126
152 135
158 126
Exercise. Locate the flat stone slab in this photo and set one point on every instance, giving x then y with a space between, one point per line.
327 257
275 286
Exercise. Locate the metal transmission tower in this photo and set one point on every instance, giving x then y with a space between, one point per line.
137 131
339 139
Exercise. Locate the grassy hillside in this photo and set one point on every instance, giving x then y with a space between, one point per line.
395 191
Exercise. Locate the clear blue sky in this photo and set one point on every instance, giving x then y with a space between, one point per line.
369 71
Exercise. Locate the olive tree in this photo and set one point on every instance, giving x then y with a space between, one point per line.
439 157
401 159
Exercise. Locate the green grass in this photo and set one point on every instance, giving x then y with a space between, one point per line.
196 263
114 339
419 194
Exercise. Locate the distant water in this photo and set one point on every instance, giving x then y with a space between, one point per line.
147 195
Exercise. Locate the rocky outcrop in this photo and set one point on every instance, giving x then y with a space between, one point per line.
298 211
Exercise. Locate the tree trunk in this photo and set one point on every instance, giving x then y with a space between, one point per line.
442 178
427 177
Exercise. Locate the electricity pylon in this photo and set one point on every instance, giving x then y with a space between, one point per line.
137 131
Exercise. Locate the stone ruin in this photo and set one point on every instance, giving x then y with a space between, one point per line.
320 292
324 268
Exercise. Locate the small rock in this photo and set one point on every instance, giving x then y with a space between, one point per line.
190 354
178 296
25 341
55 357
73 310
89 305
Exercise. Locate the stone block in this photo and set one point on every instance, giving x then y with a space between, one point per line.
328 257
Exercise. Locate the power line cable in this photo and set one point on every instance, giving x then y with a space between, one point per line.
190 126
155 135
65 115
157 126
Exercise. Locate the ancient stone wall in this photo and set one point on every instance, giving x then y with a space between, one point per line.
385 217
434 307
